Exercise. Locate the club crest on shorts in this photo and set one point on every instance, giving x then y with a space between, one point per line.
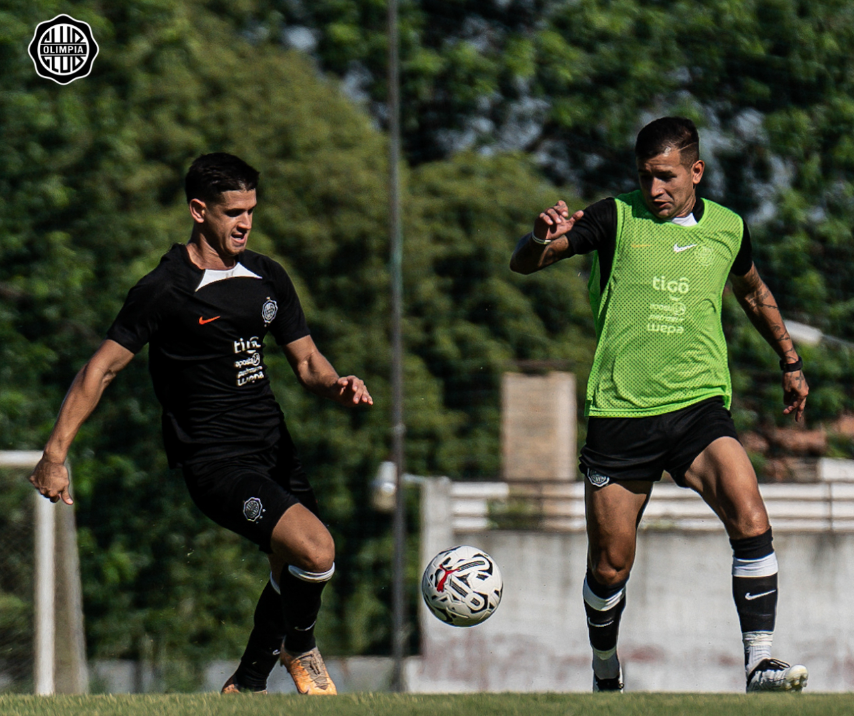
597 479
269 310
253 509
63 49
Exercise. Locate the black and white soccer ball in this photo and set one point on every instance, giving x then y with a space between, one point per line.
462 586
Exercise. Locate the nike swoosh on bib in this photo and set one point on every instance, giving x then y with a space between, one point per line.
677 248
750 597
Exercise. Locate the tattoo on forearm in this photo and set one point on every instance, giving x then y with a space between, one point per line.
761 298
779 331
758 303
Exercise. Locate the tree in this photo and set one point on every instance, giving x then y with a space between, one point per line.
92 197
572 83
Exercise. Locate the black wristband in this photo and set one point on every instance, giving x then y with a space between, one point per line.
791 367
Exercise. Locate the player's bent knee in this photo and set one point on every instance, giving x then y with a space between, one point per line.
318 562
608 575
746 530
610 566
313 556
302 540
750 523
318 555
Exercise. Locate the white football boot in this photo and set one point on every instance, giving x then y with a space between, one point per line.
603 685
776 675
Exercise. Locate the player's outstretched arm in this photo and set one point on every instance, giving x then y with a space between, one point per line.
316 374
548 242
50 477
758 303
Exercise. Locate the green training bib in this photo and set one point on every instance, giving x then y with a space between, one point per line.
660 343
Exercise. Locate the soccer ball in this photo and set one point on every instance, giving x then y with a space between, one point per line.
462 586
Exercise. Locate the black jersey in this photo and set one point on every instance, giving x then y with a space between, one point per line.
206 333
597 231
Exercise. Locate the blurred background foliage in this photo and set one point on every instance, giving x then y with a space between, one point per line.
508 105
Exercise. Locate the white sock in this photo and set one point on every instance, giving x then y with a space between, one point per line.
757 646
606 665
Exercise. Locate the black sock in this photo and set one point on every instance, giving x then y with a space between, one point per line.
301 605
756 602
754 590
265 642
603 625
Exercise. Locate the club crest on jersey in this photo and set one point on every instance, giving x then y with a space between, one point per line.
253 509
269 310
705 256
597 479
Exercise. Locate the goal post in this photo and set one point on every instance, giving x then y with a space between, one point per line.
59 646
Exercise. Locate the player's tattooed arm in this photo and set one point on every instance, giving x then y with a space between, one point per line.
761 308
548 242
316 374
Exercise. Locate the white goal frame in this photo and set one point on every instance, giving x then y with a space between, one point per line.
75 677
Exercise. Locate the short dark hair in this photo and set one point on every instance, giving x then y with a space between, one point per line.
212 174
669 133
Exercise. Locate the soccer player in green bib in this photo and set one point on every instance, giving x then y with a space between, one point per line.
659 392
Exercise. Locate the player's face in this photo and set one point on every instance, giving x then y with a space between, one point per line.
668 185
227 222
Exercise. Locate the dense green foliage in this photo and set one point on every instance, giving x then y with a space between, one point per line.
90 197
769 82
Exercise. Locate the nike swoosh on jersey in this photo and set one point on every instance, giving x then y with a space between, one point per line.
203 321
750 597
677 248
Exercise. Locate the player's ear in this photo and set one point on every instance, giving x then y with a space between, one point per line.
697 170
198 209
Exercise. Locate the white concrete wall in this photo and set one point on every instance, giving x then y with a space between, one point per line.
679 631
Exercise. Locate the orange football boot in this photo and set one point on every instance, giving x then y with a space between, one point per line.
309 673
229 687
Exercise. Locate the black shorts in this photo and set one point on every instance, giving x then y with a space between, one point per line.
249 494
643 448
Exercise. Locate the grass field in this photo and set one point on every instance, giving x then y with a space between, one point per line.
433 705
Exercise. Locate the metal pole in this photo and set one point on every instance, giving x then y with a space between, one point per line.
398 426
44 589
45 626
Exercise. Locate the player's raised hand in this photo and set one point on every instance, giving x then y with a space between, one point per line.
555 222
795 391
352 391
51 480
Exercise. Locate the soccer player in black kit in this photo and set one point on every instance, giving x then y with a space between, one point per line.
205 311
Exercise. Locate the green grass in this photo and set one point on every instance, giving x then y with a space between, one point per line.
434 705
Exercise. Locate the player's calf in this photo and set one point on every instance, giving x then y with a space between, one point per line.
754 589
604 606
264 646
300 594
